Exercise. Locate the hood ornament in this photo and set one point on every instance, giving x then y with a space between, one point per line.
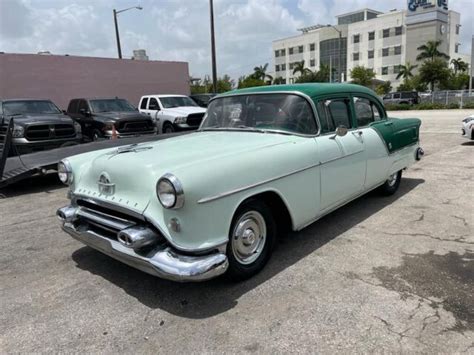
129 148
106 187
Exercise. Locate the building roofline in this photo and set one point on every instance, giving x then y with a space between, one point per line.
360 10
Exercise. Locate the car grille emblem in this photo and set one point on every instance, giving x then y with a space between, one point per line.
106 187
51 131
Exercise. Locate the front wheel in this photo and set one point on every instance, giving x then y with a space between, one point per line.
391 184
168 128
251 240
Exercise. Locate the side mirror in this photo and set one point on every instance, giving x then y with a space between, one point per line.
341 131
84 112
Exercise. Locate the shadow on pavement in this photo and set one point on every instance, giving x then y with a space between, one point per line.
202 300
39 183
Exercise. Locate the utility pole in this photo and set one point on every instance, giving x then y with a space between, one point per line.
213 48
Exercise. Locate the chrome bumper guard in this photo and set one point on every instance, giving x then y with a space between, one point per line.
161 260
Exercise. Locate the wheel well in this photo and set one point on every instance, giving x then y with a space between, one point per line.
278 207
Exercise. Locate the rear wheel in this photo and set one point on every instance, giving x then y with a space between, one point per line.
251 240
96 135
391 185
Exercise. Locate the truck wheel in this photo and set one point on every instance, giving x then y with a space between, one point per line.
168 128
251 240
96 135
391 185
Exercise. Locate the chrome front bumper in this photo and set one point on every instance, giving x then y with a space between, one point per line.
162 260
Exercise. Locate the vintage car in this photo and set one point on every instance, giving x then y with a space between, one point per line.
264 161
468 127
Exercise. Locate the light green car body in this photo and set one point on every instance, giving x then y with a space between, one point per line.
311 175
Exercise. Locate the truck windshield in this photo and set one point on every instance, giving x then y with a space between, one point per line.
111 105
176 101
18 107
284 113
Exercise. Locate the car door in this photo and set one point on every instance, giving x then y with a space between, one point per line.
342 158
143 106
367 111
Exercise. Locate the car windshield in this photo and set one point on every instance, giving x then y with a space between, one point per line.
111 105
280 113
30 107
176 101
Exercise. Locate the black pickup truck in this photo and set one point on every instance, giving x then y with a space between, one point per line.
102 118
38 125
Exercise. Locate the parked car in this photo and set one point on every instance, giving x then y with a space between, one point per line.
202 99
402 98
468 127
172 113
38 125
265 160
102 118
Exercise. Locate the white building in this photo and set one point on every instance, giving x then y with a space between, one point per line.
369 38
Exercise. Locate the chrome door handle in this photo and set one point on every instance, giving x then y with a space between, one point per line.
358 133
388 123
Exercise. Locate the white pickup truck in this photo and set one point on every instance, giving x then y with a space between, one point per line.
172 113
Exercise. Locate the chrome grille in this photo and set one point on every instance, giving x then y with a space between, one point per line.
43 132
135 126
195 119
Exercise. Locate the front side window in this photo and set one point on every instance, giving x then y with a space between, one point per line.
176 101
111 105
332 114
366 111
19 107
262 113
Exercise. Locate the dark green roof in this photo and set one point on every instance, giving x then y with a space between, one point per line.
310 89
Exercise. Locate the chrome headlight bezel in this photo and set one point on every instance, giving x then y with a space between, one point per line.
18 131
65 172
170 181
180 120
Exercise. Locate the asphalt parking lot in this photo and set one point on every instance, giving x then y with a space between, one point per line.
379 275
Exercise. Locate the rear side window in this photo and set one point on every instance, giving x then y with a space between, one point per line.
82 105
72 106
333 113
366 111
144 103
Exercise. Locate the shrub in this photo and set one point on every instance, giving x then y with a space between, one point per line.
429 106
468 105
397 107
452 105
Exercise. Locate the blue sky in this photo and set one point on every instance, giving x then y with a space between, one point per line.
179 29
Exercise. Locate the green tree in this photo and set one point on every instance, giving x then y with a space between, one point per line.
384 88
459 65
430 51
224 84
455 81
362 76
299 67
205 86
278 80
249 81
434 72
406 71
260 73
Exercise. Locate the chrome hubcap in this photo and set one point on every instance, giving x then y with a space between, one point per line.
248 237
392 179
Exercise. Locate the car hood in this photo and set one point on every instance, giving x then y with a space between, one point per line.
184 111
118 116
41 119
136 170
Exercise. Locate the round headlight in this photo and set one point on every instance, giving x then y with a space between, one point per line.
65 172
170 192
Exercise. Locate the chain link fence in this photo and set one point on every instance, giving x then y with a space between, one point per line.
448 97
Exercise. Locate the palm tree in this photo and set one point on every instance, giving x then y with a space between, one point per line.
430 51
278 80
298 67
406 71
459 65
260 73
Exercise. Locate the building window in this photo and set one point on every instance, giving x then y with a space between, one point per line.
301 49
355 56
398 50
385 52
457 29
456 48
370 54
312 63
371 36
277 67
356 39
277 54
283 67
398 31
396 69
384 70
312 47
291 66
386 33
283 52
290 50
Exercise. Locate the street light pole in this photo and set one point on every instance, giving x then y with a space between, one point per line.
119 49
213 48
117 36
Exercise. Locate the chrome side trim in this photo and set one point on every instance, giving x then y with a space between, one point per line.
247 187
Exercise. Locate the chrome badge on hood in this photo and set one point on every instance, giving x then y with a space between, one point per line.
106 187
